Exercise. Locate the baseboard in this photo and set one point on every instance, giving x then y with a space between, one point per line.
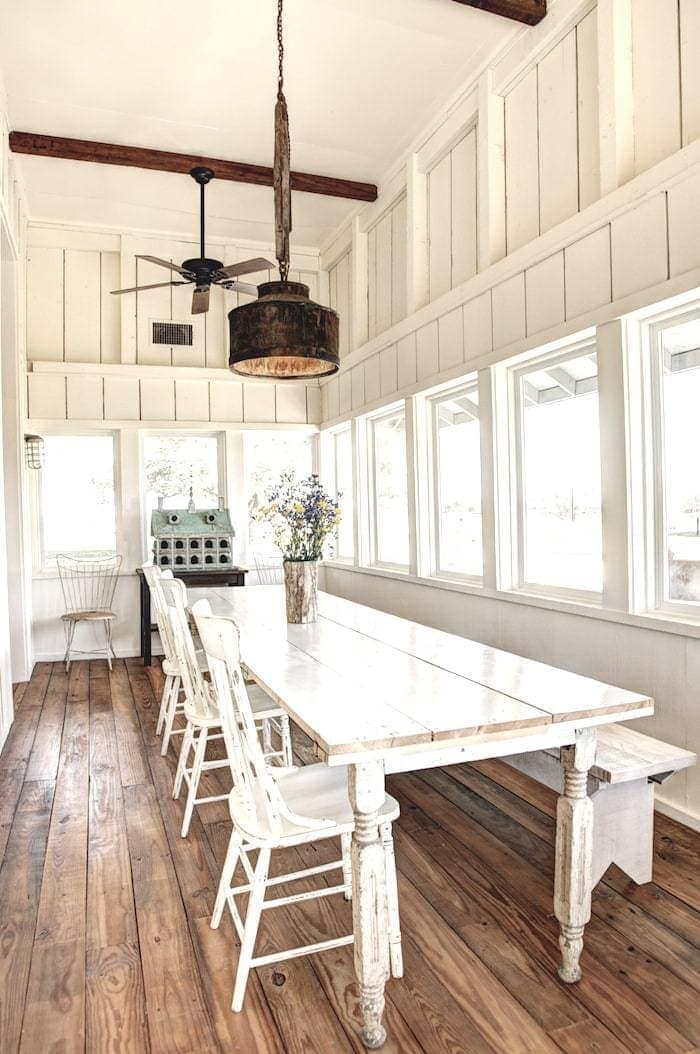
690 819
57 656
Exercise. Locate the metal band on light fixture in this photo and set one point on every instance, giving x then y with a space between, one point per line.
283 334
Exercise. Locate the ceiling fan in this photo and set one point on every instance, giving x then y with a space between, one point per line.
203 272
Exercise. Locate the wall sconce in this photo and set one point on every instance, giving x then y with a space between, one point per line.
34 451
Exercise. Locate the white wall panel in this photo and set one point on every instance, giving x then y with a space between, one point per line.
478 326
639 247
386 269
588 279
110 326
558 133
226 401
122 399
544 294
191 400
439 228
46 396
406 361
522 175
383 274
684 225
344 393
357 385
398 260
151 305
451 339
464 221
388 380
313 405
690 69
291 403
157 400
372 386
82 304
656 79
509 311
331 393
84 397
216 331
259 402
372 283
44 303
588 125
427 364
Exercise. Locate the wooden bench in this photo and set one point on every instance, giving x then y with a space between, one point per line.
621 787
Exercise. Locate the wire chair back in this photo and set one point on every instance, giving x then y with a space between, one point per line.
88 585
257 803
269 569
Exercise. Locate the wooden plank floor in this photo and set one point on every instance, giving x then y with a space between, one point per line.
105 942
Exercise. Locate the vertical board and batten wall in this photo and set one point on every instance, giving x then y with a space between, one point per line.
386 270
339 294
452 217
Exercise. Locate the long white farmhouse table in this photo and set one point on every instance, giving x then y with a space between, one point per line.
381 694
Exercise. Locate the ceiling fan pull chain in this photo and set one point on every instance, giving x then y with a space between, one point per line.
281 173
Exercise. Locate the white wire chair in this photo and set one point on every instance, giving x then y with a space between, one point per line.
269 569
88 587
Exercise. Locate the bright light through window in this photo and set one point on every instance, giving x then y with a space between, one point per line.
342 455
560 475
387 453
268 455
680 394
457 482
77 496
173 463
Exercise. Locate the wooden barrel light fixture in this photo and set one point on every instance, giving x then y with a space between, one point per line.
283 334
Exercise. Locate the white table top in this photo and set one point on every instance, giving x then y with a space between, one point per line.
362 681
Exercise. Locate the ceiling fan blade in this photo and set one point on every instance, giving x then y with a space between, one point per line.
240 287
246 267
200 300
140 288
162 263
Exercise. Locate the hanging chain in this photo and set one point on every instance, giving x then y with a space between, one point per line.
281 173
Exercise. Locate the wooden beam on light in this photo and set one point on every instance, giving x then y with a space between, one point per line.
531 12
167 161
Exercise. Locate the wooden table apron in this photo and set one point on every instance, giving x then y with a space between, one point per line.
231 576
381 694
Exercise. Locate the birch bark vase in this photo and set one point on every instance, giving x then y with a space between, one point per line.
301 590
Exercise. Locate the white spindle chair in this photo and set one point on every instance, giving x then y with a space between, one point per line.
170 703
203 723
271 812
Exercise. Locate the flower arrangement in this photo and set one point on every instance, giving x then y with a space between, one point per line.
302 515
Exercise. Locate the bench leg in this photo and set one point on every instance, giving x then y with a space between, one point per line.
572 875
623 829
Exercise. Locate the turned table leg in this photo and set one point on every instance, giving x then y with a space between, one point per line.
369 900
572 874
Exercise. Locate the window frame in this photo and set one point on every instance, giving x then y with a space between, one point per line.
330 459
520 583
657 572
369 513
467 385
41 567
149 433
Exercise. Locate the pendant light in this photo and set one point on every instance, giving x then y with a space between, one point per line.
283 334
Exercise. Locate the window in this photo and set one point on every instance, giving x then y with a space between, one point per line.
341 484
456 482
172 464
77 496
676 374
558 468
269 454
388 489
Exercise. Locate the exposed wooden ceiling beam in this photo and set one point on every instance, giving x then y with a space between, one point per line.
166 161
528 11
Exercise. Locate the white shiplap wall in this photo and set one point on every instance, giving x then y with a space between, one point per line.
452 217
339 298
386 269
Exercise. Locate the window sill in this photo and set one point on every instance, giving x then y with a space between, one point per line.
656 620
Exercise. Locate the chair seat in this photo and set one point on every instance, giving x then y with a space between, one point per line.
170 668
319 792
88 616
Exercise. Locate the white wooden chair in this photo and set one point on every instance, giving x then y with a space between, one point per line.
170 703
273 809
269 569
203 723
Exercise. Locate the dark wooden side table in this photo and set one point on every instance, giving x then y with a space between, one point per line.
230 576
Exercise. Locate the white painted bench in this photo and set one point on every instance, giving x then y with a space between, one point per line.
621 787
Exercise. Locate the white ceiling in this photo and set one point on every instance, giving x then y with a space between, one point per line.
362 78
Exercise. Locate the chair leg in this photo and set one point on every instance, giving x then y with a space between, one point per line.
183 759
108 643
285 732
345 844
164 703
250 931
195 774
266 738
395 953
70 633
226 881
170 714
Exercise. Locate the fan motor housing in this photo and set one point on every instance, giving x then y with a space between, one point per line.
201 267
